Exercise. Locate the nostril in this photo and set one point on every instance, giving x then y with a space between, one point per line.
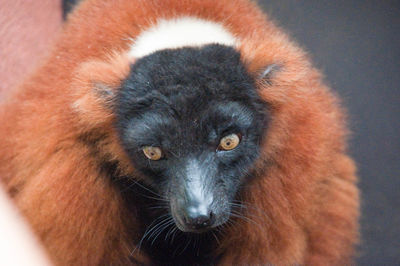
211 215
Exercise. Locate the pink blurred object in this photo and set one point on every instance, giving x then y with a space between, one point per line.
27 29
18 246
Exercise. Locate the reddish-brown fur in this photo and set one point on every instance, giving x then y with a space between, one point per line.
304 200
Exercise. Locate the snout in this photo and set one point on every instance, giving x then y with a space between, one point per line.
198 205
198 215
192 215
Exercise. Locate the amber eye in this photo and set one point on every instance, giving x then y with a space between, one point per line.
229 142
153 153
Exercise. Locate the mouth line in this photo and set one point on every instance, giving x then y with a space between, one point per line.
199 231
195 231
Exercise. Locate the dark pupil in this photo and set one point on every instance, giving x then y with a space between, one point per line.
228 143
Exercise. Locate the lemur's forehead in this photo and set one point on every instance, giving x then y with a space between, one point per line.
183 77
180 32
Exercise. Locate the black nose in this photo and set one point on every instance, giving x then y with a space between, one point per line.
197 219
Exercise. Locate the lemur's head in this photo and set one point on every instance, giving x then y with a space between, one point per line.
188 117
191 121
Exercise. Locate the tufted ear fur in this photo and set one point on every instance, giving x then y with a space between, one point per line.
94 87
266 73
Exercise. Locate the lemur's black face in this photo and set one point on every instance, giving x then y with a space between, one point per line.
191 121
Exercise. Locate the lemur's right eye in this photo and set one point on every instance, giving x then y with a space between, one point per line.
229 142
153 153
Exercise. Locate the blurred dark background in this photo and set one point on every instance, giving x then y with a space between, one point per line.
356 44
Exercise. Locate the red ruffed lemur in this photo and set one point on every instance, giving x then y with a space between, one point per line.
171 132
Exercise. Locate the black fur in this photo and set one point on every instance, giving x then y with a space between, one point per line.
184 101
67 7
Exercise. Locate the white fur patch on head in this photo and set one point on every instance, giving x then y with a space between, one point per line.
178 33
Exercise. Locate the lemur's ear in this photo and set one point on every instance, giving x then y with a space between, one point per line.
266 73
95 86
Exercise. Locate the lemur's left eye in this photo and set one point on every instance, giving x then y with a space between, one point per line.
153 153
229 142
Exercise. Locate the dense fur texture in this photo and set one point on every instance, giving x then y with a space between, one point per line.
66 160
